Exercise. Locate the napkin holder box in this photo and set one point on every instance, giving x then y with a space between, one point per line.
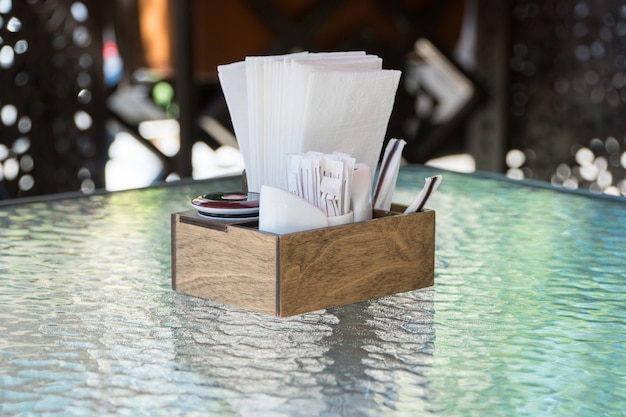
285 275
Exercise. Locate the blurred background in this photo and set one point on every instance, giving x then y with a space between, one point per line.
124 94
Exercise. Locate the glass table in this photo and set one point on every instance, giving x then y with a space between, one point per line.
527 316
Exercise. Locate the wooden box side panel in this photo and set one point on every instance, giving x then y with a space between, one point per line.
342 265
235 266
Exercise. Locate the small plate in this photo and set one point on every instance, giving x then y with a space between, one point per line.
227 205
226 217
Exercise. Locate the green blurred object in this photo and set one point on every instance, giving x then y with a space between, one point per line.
163 93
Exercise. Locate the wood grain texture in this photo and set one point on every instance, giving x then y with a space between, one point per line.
301 272
347 264
236 266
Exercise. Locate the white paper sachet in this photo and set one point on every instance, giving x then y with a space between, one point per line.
331 186
348 172
324 180
294 185
330 196
361 192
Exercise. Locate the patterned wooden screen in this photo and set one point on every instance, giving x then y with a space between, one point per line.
51 97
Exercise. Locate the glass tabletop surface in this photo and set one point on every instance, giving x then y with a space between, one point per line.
527 316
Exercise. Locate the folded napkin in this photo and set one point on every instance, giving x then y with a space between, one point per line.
353 121
296 103
236 95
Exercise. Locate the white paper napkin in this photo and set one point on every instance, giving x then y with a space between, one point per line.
232 78
348 112
302 102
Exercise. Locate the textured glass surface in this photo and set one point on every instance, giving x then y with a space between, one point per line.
526 318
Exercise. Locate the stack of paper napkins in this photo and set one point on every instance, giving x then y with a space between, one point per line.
296 103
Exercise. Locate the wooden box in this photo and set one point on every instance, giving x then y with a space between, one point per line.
284 275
